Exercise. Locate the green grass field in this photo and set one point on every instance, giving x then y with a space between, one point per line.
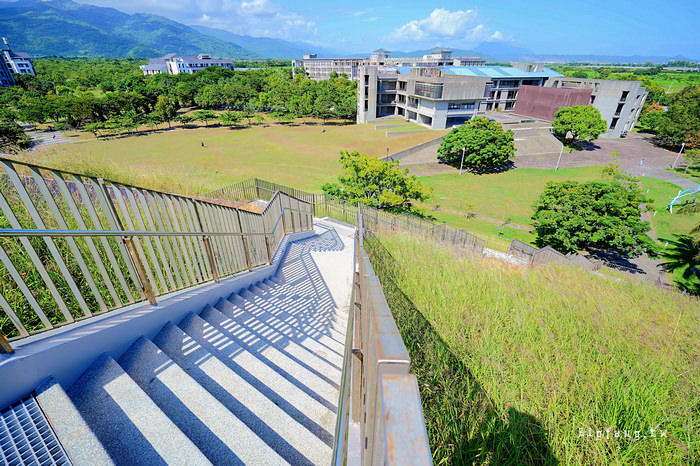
664 223
501 195
543 366
303 156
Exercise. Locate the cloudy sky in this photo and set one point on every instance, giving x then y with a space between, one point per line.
621 27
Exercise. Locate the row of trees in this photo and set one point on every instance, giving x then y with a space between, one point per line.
679 123
116 95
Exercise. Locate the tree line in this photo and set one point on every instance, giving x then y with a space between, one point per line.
112 95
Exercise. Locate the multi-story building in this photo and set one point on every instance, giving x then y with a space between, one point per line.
173 64
322 68
619 102
442 97
437 57
16 62
6 79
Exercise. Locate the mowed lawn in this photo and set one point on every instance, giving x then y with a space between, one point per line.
304 156
665 223
507 195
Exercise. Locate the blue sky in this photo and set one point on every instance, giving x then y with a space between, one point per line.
619 27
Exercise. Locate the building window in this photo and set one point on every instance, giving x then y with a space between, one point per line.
460 106
592 99
512 94
431 91
402 85
624 96
509 105
613 123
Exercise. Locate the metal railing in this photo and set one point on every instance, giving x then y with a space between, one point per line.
377 392
74 246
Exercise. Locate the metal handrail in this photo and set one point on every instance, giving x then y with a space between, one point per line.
377 391
108 245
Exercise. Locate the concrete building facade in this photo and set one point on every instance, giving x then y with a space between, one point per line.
16 62
173 64
321 68
620 102
441 97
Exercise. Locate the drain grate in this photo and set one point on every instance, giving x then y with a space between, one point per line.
26 438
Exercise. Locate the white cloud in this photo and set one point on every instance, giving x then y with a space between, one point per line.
441 24
251 17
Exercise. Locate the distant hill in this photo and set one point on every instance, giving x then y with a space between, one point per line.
269 47
66 28
505 52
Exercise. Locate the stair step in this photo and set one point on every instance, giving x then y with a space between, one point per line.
286 293
296 371
220 435
273 329
311 355
298 442
77 438
305 308
132 429
295 322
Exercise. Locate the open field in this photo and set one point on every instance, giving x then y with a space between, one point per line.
664 223
544 366
304 156
501 195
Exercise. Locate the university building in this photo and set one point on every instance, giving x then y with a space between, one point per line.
13 62
444 97
321 68
173 64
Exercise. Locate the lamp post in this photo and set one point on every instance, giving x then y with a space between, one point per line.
387 153
462 164
559 159
678 156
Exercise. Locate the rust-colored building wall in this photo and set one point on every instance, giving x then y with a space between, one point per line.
544 102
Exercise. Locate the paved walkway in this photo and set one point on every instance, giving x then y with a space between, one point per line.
631 152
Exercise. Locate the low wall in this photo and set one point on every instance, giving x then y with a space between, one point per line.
415 149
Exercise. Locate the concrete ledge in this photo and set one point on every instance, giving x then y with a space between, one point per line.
390 134
66 352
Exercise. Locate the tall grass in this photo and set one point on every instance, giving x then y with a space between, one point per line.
516 365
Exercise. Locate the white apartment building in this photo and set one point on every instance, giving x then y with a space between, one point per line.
173 64
17 62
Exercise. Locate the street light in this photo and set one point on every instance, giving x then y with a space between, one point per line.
462 164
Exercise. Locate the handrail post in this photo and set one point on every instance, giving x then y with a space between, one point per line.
210 256
294 229
247 252
5 347
267 246
138 265
284 223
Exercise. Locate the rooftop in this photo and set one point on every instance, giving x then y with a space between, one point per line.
490 72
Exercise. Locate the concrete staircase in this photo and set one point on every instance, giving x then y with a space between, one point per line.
252 380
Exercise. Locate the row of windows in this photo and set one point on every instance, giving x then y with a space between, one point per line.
429 90
460 106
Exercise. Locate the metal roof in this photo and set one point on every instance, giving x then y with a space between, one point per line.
488 71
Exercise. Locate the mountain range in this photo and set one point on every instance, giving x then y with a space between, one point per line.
70 29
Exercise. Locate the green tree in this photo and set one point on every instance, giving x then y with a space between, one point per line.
184 119
165 108
204 115
12 135
485 144
583 121
571 216
370 181
682 122
229 118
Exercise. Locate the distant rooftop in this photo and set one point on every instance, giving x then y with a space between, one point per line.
490 72
440 50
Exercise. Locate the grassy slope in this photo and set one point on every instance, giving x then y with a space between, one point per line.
531 356
664 223
301 156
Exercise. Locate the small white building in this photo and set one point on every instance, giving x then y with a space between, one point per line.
17 62
172 64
